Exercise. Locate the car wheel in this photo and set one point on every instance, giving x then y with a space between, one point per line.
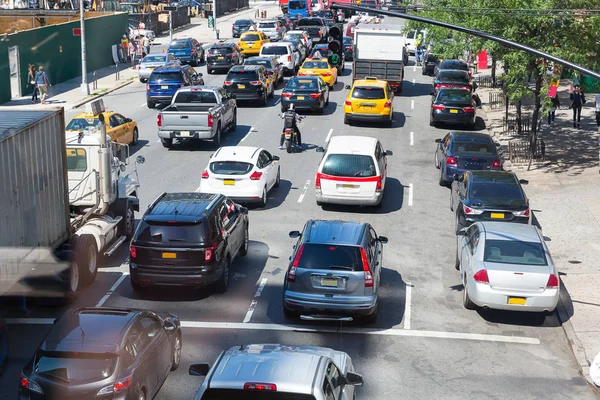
423 71
217 138
150 104
141 395
136 136
129 222
223 282
209 71
87 254
327 101
467 303
168 143
457 260
322 109
244 248
142 80
443 181
263 198
437 161
176 353
278 179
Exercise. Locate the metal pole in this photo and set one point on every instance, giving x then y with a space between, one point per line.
85 89
170 26
215 19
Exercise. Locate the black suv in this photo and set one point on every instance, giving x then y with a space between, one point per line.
222 56
188 239
249 82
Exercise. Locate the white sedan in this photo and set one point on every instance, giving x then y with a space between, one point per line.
506 266
244 174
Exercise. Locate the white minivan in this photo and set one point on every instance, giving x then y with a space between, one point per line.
352 172
284 52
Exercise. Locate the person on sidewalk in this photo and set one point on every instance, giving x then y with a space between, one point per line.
146 45
124 47
31 82
132 52
577 102
42 82
553 108
597 106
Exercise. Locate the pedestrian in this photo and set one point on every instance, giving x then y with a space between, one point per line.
577 102
146 45
132 52
31 81
552 112
42 83
597 106
124 47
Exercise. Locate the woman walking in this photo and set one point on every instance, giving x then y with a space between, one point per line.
41 80
552 111
577 102
31 81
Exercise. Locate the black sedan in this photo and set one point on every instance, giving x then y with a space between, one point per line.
222 56
272 64
93 353
348 48
242 25
488 196
450 78
453 106
305 93
457 65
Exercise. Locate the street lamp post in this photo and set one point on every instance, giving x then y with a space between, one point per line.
85 89
214 10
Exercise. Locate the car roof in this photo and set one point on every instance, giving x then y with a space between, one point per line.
87 115
243 20
227 153
453 72
180 39
268 20
170 68
504 177
352 144
295 31
511 231
341 232
292 369
92 330
220 45
275 44
189 207
370 82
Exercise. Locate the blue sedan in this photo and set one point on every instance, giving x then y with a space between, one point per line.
458 152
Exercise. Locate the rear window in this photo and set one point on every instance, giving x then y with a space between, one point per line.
328 256
154 59
495 191
171 233
453 76
309 22
267 25
454 65
315 65
196 97
74 368
479 147
239 394
241 75
251 37
183 44
230 167
274 50
368 93
243 22
301 84
266 63
220 50
349 165
455 96
514 252
165 76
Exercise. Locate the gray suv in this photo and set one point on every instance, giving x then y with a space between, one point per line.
334 272
278 372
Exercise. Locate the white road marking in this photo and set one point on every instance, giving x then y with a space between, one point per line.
112 289
412 138
303 191
144 105
329 135
414 69
255 301
412 104
410 194
244 138
407 305
413 81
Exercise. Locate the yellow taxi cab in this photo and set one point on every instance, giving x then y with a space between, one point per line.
320 68
369 99
120 129
251 42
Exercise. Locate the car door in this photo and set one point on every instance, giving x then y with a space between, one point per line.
457 192
126 129
381 160
268 168
229 223
227 105
159 345
468 250
114 129
143 368
375 255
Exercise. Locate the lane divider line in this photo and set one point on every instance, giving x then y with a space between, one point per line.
329 135
413 81
249 130
414 69
410 194
412 104
254 302
407 305
112 289
144 105
303 191
412 138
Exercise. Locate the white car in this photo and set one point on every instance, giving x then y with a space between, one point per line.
353 171
244 174
307 40
506 266
284 52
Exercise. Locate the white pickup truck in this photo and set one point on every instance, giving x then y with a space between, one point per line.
197 113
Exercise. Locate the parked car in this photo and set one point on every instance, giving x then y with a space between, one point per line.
96 352
244 174
251 42
488 196
272 65
165 81
353 171
452 79
222 56
250 82
153 61
301 372
187 50
305 93
285 53
242 25
506 266
454 65
453 106
335 272
188 239
119 128
369 99
272 28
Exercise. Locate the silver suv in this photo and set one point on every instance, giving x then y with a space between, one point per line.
272 28
278 372
334 272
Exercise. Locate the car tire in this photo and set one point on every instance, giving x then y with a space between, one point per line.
168 143
87 258
346 120
467 303
423 71
244 248
319 203
137 287
278 179
142 80
443 181
136 136
457 260
289 314
223 282
327 101
176 359
3 345
217 139
129 222
150 104
141 395
263 199
233 125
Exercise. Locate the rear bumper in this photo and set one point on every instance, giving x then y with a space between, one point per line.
515 220
350 200
196 134
464 119
311 104
368 117
239 196
160 98
248 95
484 296
196 276
218 65
361 306
250 52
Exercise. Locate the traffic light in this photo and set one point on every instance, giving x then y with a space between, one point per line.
335 44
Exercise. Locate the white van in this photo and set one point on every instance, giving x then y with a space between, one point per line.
284 52
411 39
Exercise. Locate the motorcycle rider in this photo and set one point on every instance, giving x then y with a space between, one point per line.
290 117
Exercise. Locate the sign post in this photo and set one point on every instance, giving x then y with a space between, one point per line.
170 9
85 89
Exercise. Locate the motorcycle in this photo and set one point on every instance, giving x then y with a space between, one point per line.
290 138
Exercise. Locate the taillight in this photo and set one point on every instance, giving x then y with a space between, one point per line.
255 176
210 120
319 33
524 213
314 95
122 384
348 47
379 184
209 251
388 104
289 58
439 107
318 181
291 275
438 86
366 269
348 103
326 74
255 83
471 211
29 384
205 174
159 120
227 83
133 252
450 160
286 95
552 282
301 74
469 109
260 386
193 51
147 86
496 164
481 276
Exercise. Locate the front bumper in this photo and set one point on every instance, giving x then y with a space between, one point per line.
484 295
202 134
193 276
350 200
359 306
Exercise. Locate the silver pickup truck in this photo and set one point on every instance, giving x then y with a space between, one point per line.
197 113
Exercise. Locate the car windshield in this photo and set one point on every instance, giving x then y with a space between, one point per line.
514 252
267 25
239 394
454 96
74 367
169 233
196 97
315 65
349 165
251 37
368 93
82 124
241 76
243 22
301 84
165 76
179 44
495 191
154 59
328 256
274 50
470 146
220 50
230 167
250 61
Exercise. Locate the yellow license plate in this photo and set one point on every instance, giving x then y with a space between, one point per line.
169 255
151 69
453 111
497 215
164 87
220 58
229 182
242 86
346 186
300 97
329 282
517 300
184 133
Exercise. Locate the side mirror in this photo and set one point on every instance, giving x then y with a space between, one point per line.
140 159
523 181
276 158
123 167
199 369
169 325
294 234
128 119
347 87
354 379
462 232
438 140
243 210
320 149
389 153
383 239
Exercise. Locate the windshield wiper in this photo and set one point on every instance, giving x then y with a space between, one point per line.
344 267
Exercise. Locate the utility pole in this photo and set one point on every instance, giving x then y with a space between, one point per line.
170 26
85 89
216 32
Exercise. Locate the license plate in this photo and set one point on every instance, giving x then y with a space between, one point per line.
329 282
453 111
347 186
517 300
184 133
169 255
151 69
300 97
241 86
497 215
230 182
164 87
367 108
220 58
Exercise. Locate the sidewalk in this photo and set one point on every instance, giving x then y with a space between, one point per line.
68 94
564 193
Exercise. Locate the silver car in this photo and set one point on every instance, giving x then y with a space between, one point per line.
152 61
272 28
275 371
506 266
334 272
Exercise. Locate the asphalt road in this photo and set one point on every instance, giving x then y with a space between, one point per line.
425 344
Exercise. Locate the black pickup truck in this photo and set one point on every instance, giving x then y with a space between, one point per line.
315 28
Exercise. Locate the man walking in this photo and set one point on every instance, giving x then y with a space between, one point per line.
124 48
146 45
42 82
